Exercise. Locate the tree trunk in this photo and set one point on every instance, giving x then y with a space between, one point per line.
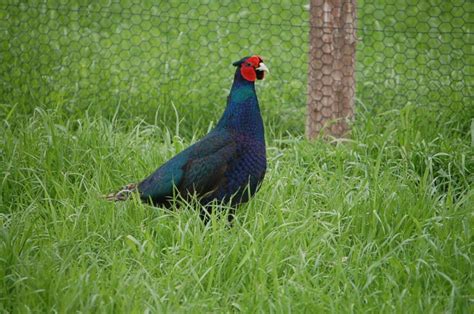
331 81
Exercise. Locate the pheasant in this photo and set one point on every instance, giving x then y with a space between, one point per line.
227 165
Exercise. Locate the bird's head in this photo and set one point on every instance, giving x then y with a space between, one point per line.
252 68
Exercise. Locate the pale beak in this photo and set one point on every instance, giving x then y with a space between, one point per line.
263 67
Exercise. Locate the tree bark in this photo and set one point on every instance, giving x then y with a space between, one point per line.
331 81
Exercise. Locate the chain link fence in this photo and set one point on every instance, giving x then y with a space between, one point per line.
145 59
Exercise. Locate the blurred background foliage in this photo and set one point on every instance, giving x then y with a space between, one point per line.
141 60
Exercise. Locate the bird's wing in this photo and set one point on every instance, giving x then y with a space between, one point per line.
198 169
204 174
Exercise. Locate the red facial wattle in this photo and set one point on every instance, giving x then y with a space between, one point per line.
248 69
248 73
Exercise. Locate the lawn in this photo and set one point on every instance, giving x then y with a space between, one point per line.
380 222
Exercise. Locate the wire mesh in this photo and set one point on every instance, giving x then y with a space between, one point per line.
416 52
151 59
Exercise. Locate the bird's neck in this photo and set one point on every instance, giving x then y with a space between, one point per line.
243 112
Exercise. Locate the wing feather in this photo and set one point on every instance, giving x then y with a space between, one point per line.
198 169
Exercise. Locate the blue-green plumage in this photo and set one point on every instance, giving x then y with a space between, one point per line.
228 164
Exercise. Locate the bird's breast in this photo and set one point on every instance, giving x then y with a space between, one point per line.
249 165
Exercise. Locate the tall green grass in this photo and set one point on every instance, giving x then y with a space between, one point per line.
379 223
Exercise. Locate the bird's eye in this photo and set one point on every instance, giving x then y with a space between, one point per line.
248 64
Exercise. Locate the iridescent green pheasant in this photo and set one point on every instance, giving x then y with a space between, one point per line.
228 164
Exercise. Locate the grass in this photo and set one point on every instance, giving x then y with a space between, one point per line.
382 223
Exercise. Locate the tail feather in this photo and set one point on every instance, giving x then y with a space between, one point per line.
122 195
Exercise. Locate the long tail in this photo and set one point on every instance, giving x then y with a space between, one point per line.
122 195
